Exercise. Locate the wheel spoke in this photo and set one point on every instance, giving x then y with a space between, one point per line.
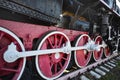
86 55
44 46
1 35
3 49
81 42
51 64
55 40
64 58
50 42
1 55
85 39
106 51
60 41
55 68
15 42
60 63
10 70
98 54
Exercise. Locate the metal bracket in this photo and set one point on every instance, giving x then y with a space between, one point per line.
117 45
109 38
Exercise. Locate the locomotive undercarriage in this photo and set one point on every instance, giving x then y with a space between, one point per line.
61 57
29 51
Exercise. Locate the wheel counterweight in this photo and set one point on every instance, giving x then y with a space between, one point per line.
53 65
11 71
97 55
82 57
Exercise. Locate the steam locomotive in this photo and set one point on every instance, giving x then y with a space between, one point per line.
40 39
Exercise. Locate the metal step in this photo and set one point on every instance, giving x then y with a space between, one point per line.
96 75
104 68
100 71
108 66
84 77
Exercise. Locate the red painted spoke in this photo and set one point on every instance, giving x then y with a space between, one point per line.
60 64
3 49
107 52
81 42
55 41
50 42
86 55
10 70
85 40
60 41
1 35
51 64
1 55
98 54
15 42
55 68
64 58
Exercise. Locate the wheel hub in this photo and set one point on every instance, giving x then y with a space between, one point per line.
85 52
55 58
57 55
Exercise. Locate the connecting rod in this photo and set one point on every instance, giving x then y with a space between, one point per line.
12 54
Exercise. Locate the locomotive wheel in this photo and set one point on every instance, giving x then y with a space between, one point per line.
82 57
14 70
107 51
51 66
97 55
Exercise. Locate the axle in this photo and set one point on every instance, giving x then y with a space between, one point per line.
12 54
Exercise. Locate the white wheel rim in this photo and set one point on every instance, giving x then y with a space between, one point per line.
21 45
75 51
36 58
101 51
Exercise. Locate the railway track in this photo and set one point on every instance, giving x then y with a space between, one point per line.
94 71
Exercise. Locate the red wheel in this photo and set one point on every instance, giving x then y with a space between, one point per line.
97 55
53 65
82 57
107 51
10 71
